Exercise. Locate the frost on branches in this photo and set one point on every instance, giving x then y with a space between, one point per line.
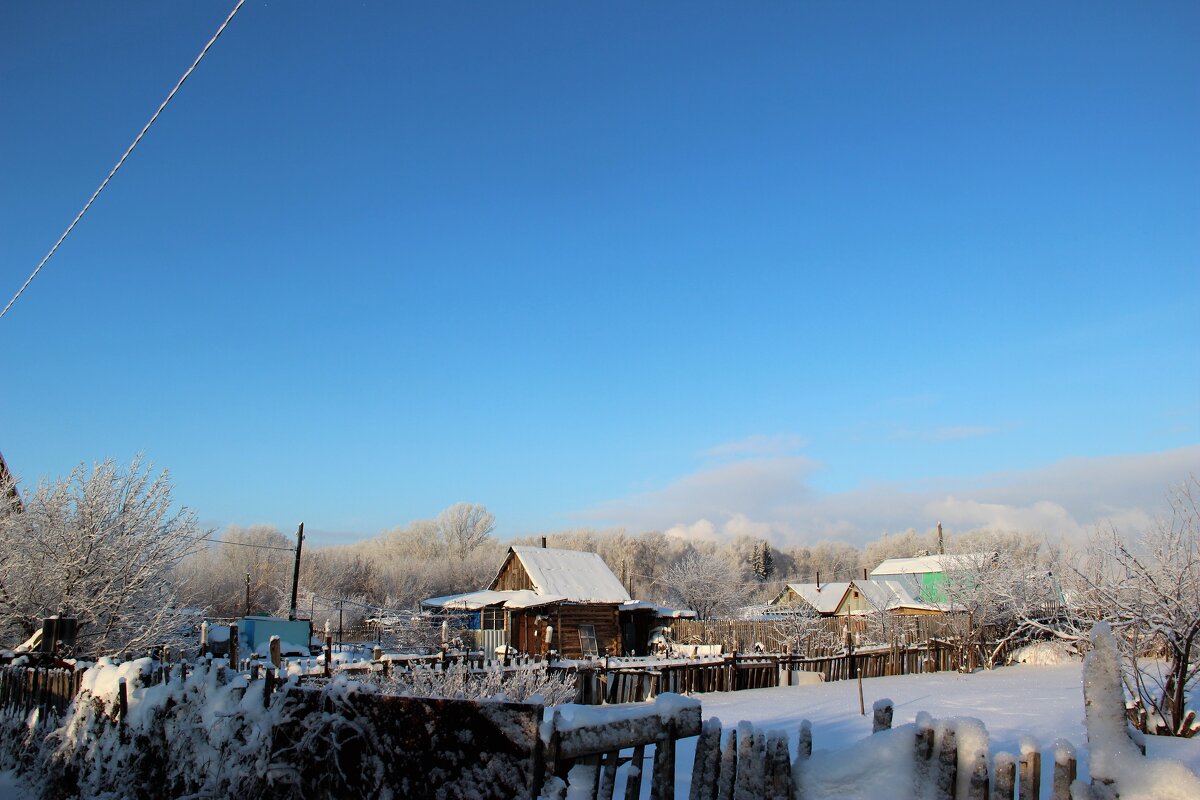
100 546
1149 592
459 682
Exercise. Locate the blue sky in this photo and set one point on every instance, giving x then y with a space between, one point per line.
756 266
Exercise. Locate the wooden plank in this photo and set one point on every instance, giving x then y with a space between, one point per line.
581 741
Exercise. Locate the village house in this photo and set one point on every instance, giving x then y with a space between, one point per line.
566 601
929 571
901 595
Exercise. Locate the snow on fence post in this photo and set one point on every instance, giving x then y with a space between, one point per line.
779 767
633 777
804 746
707 764
1006 777
973 750
1030 787
204 638
1065 770
881 711
729 763
947 763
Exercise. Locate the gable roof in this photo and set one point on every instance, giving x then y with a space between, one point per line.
920 565
473 601
825 597
575 575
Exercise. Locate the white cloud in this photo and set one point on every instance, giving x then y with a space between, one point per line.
759 445
771 497
948 433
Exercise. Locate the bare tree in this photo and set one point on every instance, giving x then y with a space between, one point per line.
465 526
99 546
1149 591
707 584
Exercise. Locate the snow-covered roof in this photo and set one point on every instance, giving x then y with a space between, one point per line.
888 594
659 611
823 597
938 562
473 601
577 576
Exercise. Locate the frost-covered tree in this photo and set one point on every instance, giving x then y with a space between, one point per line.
101 546
1149 591
1005 589
707 584
214 579
464 527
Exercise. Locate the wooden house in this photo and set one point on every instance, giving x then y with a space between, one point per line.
566 601
899 596
929 572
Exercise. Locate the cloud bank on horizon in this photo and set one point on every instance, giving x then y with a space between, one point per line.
764 489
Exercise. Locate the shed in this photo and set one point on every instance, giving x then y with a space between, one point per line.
545 599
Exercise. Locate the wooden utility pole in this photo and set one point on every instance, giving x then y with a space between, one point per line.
296 572
247 594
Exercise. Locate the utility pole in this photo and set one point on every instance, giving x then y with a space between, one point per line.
296 572
247 594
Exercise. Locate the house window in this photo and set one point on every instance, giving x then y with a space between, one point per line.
492 619
587 640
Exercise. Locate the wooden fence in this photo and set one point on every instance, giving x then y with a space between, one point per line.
29 688
775 635
581 758
624 683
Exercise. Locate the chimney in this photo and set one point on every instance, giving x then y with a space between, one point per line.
818 580
864 573
543 542
941 545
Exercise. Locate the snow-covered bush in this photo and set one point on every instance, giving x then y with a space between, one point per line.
457 681
99 546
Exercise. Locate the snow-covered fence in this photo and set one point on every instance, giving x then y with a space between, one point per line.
29 688
631 680
584 748
206 731
934 759
743 634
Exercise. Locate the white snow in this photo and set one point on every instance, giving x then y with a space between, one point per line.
1013 703
577 575
11 788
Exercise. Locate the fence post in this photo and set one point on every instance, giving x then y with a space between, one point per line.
882 712
727 775
1031 772
268 686
1065 770
233 647
275 651
122 706
1006 777
947 772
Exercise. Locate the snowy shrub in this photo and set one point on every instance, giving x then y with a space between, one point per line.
495 683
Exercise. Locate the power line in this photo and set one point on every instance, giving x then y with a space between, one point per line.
113 172
244 544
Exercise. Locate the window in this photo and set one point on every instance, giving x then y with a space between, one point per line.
492 619
587 640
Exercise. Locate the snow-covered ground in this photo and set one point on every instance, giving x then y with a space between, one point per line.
1045 702
10 788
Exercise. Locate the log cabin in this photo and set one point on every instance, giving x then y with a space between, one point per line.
546 600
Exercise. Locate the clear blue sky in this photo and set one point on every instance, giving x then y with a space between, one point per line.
377 258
